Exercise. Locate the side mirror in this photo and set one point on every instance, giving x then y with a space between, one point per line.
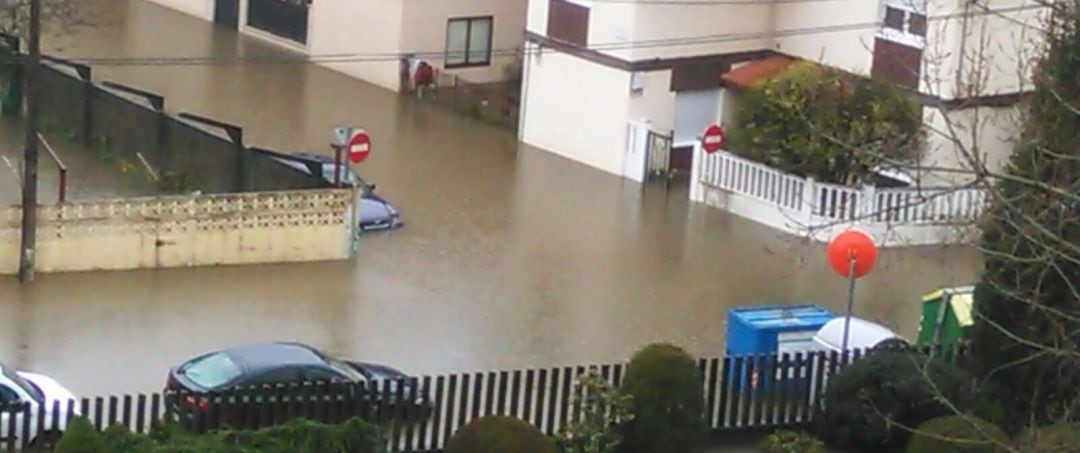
371 187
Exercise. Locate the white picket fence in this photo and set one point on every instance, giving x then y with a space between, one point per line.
805 207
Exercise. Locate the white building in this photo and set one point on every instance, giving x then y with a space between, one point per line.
600 75
467 38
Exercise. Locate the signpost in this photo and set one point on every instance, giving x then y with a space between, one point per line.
359 146
713 138
851 254
355 142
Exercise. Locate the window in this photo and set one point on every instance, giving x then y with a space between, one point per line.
316 374
908 17
211 371
468 41
21 383
568 22
7 396
894 18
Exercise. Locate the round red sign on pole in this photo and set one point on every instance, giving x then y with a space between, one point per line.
359 146
713 139
852 244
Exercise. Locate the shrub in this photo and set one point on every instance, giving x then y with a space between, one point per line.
784 441
600 406
809 119
1057 438
876 401
958 434
1026 335
306 436
499 434
118 439
666 400
80 437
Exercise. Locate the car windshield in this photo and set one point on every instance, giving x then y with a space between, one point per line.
345 369
347 176
22 383
211 371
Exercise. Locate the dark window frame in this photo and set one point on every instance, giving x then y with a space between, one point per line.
468 42
895 18
561 26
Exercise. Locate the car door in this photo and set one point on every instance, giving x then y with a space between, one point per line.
333 395
271 398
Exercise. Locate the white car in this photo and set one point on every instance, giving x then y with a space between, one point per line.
19 390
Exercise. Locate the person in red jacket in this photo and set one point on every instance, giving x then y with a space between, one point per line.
424 78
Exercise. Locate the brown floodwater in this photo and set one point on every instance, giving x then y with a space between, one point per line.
511 257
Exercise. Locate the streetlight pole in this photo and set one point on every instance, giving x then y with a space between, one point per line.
30 159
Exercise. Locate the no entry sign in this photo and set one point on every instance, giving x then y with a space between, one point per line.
713 139
359 146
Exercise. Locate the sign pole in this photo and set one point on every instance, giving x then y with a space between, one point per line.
337 166
850 299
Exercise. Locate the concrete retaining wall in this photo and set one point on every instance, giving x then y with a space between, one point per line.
163 232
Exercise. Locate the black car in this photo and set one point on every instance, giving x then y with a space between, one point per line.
223 376
375 212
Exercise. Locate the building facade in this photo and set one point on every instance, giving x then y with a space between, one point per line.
603 79
368 39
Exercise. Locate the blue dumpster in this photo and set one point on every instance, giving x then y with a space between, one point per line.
762 330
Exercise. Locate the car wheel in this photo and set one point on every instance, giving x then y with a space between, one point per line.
45 443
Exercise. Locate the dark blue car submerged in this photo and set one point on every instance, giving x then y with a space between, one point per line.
376 214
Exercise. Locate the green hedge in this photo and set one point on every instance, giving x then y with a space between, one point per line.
958 434
297 436
498 434
1061 437
877 401
666 399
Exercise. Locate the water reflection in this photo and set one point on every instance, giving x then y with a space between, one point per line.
511 257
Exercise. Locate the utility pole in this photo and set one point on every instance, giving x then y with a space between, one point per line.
30 160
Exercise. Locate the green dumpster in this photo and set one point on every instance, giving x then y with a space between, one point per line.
946 316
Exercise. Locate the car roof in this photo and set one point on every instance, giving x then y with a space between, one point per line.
263 356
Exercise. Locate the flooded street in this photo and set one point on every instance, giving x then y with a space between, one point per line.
510 257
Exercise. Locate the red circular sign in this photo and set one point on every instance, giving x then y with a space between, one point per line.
713 139
852 244
359 146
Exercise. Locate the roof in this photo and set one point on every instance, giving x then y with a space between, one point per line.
745 76
261 356
778 317
863 333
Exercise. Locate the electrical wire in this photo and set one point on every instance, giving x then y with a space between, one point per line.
660 43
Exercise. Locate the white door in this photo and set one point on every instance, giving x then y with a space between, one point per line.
694 111
637 150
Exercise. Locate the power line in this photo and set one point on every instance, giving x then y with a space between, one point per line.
441 54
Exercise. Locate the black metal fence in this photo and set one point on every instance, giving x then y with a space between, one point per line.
422 413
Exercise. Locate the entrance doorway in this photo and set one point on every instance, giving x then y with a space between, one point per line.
227 13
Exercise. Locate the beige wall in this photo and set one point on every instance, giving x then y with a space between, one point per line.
656 102
612 25
576 109
203 9
999 48
359 27
425 31
270 227
953 133
799 32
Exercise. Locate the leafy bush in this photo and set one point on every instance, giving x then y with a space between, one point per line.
1057 438
297 436
876 401
600 406
666 400
811 118
1026 335
958 434
499 434
784 441
81 437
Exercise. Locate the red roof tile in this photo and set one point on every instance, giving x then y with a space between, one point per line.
743 77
